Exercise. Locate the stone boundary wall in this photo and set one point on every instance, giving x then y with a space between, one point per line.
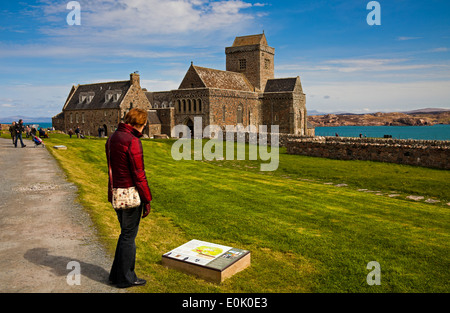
426 153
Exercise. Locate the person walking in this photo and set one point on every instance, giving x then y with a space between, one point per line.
12 131
19 130
126 170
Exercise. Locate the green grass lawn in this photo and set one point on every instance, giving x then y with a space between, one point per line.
304 235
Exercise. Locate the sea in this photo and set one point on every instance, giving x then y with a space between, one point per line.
40 125
435 132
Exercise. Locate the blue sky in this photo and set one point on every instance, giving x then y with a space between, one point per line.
344 64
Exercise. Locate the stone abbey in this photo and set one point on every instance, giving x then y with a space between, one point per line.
246 93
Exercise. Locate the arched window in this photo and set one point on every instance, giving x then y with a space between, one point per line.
189 106
184 105
179 105
199 105
195 105
240 114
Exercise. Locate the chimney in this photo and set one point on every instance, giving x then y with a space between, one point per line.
135 79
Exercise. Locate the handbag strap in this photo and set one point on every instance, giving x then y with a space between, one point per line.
109 165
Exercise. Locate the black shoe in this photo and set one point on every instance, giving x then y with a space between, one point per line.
138 282
24 146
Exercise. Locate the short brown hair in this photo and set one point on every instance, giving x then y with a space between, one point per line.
136 117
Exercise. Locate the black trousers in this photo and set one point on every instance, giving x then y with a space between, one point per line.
122 271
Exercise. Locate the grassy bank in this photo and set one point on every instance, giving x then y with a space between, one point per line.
304 235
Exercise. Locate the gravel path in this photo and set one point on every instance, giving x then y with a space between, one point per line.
42 228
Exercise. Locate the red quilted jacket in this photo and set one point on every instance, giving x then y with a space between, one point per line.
127 161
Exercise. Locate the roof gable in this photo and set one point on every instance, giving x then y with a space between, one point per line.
192 79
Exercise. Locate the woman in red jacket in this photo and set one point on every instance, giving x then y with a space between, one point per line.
126 161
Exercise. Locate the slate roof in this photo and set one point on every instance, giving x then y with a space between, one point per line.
153 118
98 101
281 84
223 79
59 115
250 40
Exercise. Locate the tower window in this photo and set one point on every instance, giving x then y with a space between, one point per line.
242 64
267 64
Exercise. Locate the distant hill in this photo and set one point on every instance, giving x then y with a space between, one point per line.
10 119
427 110
421 117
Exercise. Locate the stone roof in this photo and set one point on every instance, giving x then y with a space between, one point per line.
59 115
153 118
223 79
259 39
282 84
98 93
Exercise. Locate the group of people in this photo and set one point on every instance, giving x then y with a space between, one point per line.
77 132
16 130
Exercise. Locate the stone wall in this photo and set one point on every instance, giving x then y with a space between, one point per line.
167 118
232 107
426 153
90 120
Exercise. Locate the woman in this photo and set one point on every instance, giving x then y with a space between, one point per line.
126 161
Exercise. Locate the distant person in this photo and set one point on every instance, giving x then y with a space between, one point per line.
126 169
336 134
12 131
100 132
360 135
19 128
42 133
70 133
78 131
27 131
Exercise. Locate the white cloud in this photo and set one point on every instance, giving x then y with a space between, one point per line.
408 38
133 28
359 65
442 49
7 105
121 19
368 70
